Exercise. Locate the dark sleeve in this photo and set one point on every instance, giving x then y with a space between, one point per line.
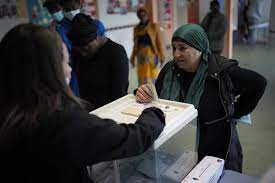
205 22
249 88
92 139
219 33
160 78
120 72
63 31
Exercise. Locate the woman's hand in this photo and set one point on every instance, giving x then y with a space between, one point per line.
144 94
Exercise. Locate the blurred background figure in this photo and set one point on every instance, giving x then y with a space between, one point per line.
101 65
258 20
214 24
242 20
272 25
148 48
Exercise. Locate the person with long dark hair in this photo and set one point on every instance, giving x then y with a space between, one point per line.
45 134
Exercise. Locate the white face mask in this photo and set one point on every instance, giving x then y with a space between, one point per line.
71 14
67 80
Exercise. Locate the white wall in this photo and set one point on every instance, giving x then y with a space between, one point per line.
122 36
181 13
272 16
111 20
272 24
7 23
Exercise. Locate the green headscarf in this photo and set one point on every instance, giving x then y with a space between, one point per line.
194 36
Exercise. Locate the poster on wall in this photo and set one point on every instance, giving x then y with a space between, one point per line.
124 6
166 13
166 19
8 9
37 13
13 9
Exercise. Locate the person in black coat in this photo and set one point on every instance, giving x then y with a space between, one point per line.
220 90
101 64
45 134
215 25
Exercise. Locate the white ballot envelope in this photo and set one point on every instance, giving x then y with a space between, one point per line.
208 170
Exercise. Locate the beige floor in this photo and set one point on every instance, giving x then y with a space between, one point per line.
258 139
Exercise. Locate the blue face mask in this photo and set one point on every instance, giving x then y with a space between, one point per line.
58 16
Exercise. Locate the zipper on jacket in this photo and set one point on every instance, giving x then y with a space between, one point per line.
223 117
221 102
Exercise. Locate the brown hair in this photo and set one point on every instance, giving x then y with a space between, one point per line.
32 76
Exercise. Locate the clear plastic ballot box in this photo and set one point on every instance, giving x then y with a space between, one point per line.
171 157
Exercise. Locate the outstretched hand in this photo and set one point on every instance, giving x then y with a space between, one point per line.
144 94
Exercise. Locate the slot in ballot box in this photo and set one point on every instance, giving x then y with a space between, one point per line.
171 157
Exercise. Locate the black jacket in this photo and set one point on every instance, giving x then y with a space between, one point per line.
104 77
230 92
58 148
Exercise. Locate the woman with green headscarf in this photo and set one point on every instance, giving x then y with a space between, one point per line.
220 90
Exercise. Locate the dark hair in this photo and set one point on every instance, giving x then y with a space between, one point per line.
214 2
83 30
50 3
52 6
31 75
141 10
69 2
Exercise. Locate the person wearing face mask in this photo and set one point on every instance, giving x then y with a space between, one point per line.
62 25
69 9
101 64
148 48
73 7
219 89
55 9
214 24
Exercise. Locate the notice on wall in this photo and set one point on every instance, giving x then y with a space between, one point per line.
123 6
8 8
12 13
116 13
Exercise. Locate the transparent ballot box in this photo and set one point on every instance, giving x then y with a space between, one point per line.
171 157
